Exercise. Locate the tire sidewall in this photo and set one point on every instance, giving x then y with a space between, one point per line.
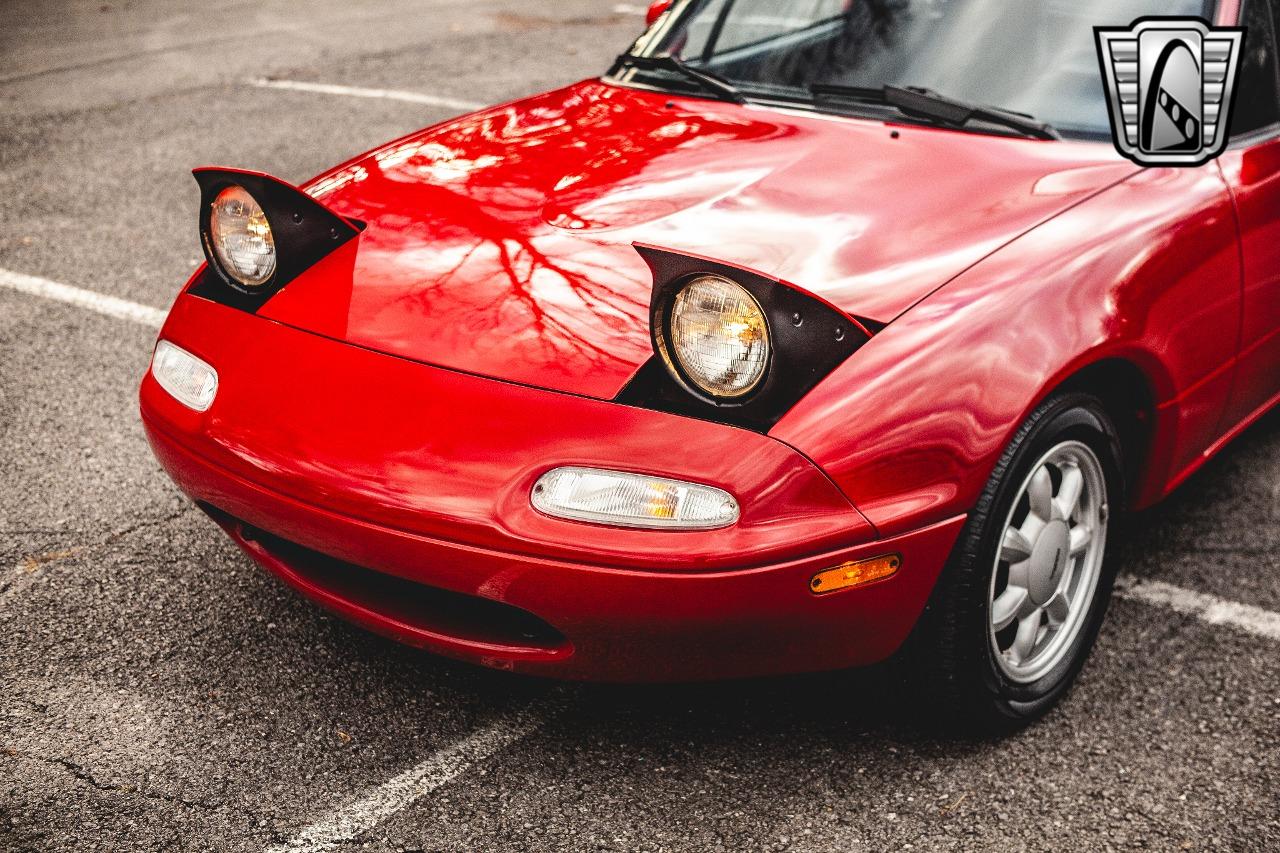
1068 417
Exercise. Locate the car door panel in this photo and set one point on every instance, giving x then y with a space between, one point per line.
1254 176
1252 171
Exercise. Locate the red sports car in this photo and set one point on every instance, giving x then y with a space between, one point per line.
792 343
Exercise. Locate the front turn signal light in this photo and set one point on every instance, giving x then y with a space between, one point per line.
190 381
855 574
623 499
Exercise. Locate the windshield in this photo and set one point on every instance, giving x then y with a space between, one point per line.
1036 57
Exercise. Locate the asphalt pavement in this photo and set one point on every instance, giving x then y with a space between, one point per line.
159 692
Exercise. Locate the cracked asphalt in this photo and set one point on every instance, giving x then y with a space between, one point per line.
158 692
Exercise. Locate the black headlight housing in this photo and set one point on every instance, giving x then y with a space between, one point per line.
303 229
808 340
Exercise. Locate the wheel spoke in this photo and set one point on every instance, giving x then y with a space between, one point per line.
1032 526
1016 547
1006 607
1058 608
1020 574
1040 494
1025 641
1069 492
1081 536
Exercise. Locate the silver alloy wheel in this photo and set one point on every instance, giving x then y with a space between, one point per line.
1046 572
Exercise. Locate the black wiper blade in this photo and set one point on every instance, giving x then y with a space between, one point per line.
856 93
932 104
926 103
708 81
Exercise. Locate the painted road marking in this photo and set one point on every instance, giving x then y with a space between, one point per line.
359 92
112 306
396 794
1207 608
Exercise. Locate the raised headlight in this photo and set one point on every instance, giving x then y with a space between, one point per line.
717 337
241 238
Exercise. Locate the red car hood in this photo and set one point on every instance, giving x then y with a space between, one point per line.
501 243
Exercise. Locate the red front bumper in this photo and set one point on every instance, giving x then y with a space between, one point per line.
324 461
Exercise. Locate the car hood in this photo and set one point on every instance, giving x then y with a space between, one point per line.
501 243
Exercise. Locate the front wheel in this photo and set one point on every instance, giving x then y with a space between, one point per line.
1016 611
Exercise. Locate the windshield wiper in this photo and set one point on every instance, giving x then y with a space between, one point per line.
928 104
709 82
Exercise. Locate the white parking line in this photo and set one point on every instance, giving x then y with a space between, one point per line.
99 302
396 794
358 92
1207 608
629 9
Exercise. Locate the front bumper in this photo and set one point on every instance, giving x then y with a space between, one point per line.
328 463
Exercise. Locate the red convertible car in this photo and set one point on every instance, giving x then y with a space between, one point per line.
811 335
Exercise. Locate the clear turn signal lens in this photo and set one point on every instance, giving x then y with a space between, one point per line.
632 500
187 379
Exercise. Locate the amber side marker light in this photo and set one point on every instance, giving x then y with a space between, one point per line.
855 574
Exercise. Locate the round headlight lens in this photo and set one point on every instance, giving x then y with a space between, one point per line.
241 237
719 336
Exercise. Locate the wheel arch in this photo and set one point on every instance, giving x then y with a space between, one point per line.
1129 394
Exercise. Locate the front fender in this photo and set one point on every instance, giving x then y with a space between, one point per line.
911 426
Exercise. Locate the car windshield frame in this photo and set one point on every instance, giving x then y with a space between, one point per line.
656 40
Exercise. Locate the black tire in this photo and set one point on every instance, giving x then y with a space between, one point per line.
952 673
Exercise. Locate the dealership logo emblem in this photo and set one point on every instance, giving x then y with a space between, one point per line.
1170 82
